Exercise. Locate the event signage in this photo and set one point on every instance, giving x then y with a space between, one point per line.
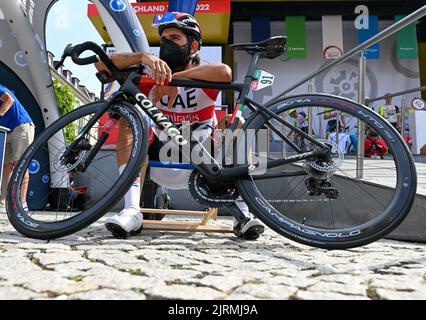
372 52
296 36
332 37
260 28
161 7
213 17
418 104
406 41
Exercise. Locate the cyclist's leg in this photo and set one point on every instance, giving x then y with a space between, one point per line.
124 144
245 225
130 220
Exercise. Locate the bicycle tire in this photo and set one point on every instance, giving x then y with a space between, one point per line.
387 221
32 228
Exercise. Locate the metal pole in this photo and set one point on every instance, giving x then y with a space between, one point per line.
310 90
400 93
402 115
361 126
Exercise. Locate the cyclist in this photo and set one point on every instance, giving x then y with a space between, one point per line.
180 42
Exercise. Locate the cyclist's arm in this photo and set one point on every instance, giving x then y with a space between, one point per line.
158 67
215 72
6 102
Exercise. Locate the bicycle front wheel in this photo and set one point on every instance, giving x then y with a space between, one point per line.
329 202
81 191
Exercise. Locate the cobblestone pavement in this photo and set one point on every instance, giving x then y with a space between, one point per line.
165 265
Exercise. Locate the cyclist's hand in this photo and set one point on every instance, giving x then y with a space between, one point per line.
160 92
102 68
160 70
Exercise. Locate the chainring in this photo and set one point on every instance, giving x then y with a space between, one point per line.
202 192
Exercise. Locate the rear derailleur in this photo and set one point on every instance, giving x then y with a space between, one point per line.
317 187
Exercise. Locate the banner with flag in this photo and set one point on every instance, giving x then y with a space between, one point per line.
296 36
187 6
332 37
406 41
260 28
372 52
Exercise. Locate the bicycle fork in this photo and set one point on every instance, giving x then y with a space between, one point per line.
78 143
107 127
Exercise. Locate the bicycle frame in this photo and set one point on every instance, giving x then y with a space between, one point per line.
130 91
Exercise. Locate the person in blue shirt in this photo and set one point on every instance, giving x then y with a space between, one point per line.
14 117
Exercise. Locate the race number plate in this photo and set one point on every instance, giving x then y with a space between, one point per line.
262 79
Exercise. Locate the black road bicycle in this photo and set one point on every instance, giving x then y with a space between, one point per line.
313 196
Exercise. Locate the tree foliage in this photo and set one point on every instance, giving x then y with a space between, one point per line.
67 101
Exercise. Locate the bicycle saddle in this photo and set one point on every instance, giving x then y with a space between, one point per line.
269 48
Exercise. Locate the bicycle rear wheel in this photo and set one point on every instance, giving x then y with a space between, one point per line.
326 203
77 197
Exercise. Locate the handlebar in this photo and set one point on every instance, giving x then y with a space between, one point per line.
75 51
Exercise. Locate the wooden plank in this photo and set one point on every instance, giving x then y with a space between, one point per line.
215 211
209 215
176 212
184 226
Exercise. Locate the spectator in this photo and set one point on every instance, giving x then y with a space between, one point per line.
390 112
331 115
344 140
300 122
14 117
374 146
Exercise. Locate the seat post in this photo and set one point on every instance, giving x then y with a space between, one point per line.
249 76
252 67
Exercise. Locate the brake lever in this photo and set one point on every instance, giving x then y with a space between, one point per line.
59 64
104 78
67 53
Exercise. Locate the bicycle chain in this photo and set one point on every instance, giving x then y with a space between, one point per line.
217 202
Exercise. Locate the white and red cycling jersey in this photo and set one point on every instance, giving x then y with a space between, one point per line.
193 105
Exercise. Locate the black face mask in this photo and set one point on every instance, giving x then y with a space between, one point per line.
176 57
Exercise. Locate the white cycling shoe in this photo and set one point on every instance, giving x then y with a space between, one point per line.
250 228
128 222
